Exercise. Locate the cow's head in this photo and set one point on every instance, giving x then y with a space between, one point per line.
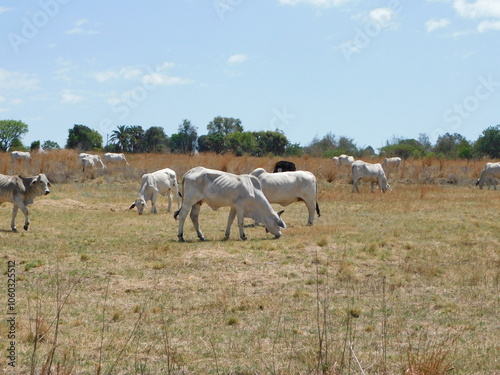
140 203
274 224
386 187
42 184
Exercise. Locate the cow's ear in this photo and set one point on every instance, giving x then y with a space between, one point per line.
133 205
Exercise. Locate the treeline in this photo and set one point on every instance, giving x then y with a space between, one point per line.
227 135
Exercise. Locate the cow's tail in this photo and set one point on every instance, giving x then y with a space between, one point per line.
181 194
317 205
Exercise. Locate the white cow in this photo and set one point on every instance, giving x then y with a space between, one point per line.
110 157
489 174
21 191
242 193
343 159
373 173
162 182
391 162
20 156
88 160
288 187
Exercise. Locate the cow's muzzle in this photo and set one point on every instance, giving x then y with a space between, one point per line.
47 192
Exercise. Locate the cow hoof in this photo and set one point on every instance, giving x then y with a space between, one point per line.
14 230
202 239
181 239
244 238
26 227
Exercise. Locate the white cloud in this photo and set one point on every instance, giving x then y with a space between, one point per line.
478 8
237 59
165 66
146 75
316 3
127 73
78 29
69 98
488 25
4 10
158 79
17 81
434 24
382 16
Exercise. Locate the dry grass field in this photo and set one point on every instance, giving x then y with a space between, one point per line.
406 282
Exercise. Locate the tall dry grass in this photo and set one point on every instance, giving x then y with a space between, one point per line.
62 166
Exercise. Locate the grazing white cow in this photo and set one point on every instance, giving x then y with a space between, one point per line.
288 187
489 174
162 182
343 159
373 173
221 189
88 160
20 156
110 157
21 191
391 162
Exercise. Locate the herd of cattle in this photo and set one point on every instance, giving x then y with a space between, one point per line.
248 195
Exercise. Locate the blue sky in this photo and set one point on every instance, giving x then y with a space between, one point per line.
367 70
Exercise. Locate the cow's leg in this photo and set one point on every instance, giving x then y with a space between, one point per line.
153 203
24 209
230 219
169 196
241 219
181 214
310 208
373 186
13 222
355 186
194 215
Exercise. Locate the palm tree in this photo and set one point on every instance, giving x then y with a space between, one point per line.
121 136
135 136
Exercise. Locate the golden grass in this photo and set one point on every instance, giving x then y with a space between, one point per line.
372 274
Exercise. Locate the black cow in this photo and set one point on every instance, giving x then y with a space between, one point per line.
284 166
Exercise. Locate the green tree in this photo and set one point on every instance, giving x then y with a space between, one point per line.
184 141
489 143
224 125
241 143
155 140
347 146
17 145
214 142
404 148
83 138
135 138
269 142
294 149
9 131
120 137
324 147
35 145
50 145
448 144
